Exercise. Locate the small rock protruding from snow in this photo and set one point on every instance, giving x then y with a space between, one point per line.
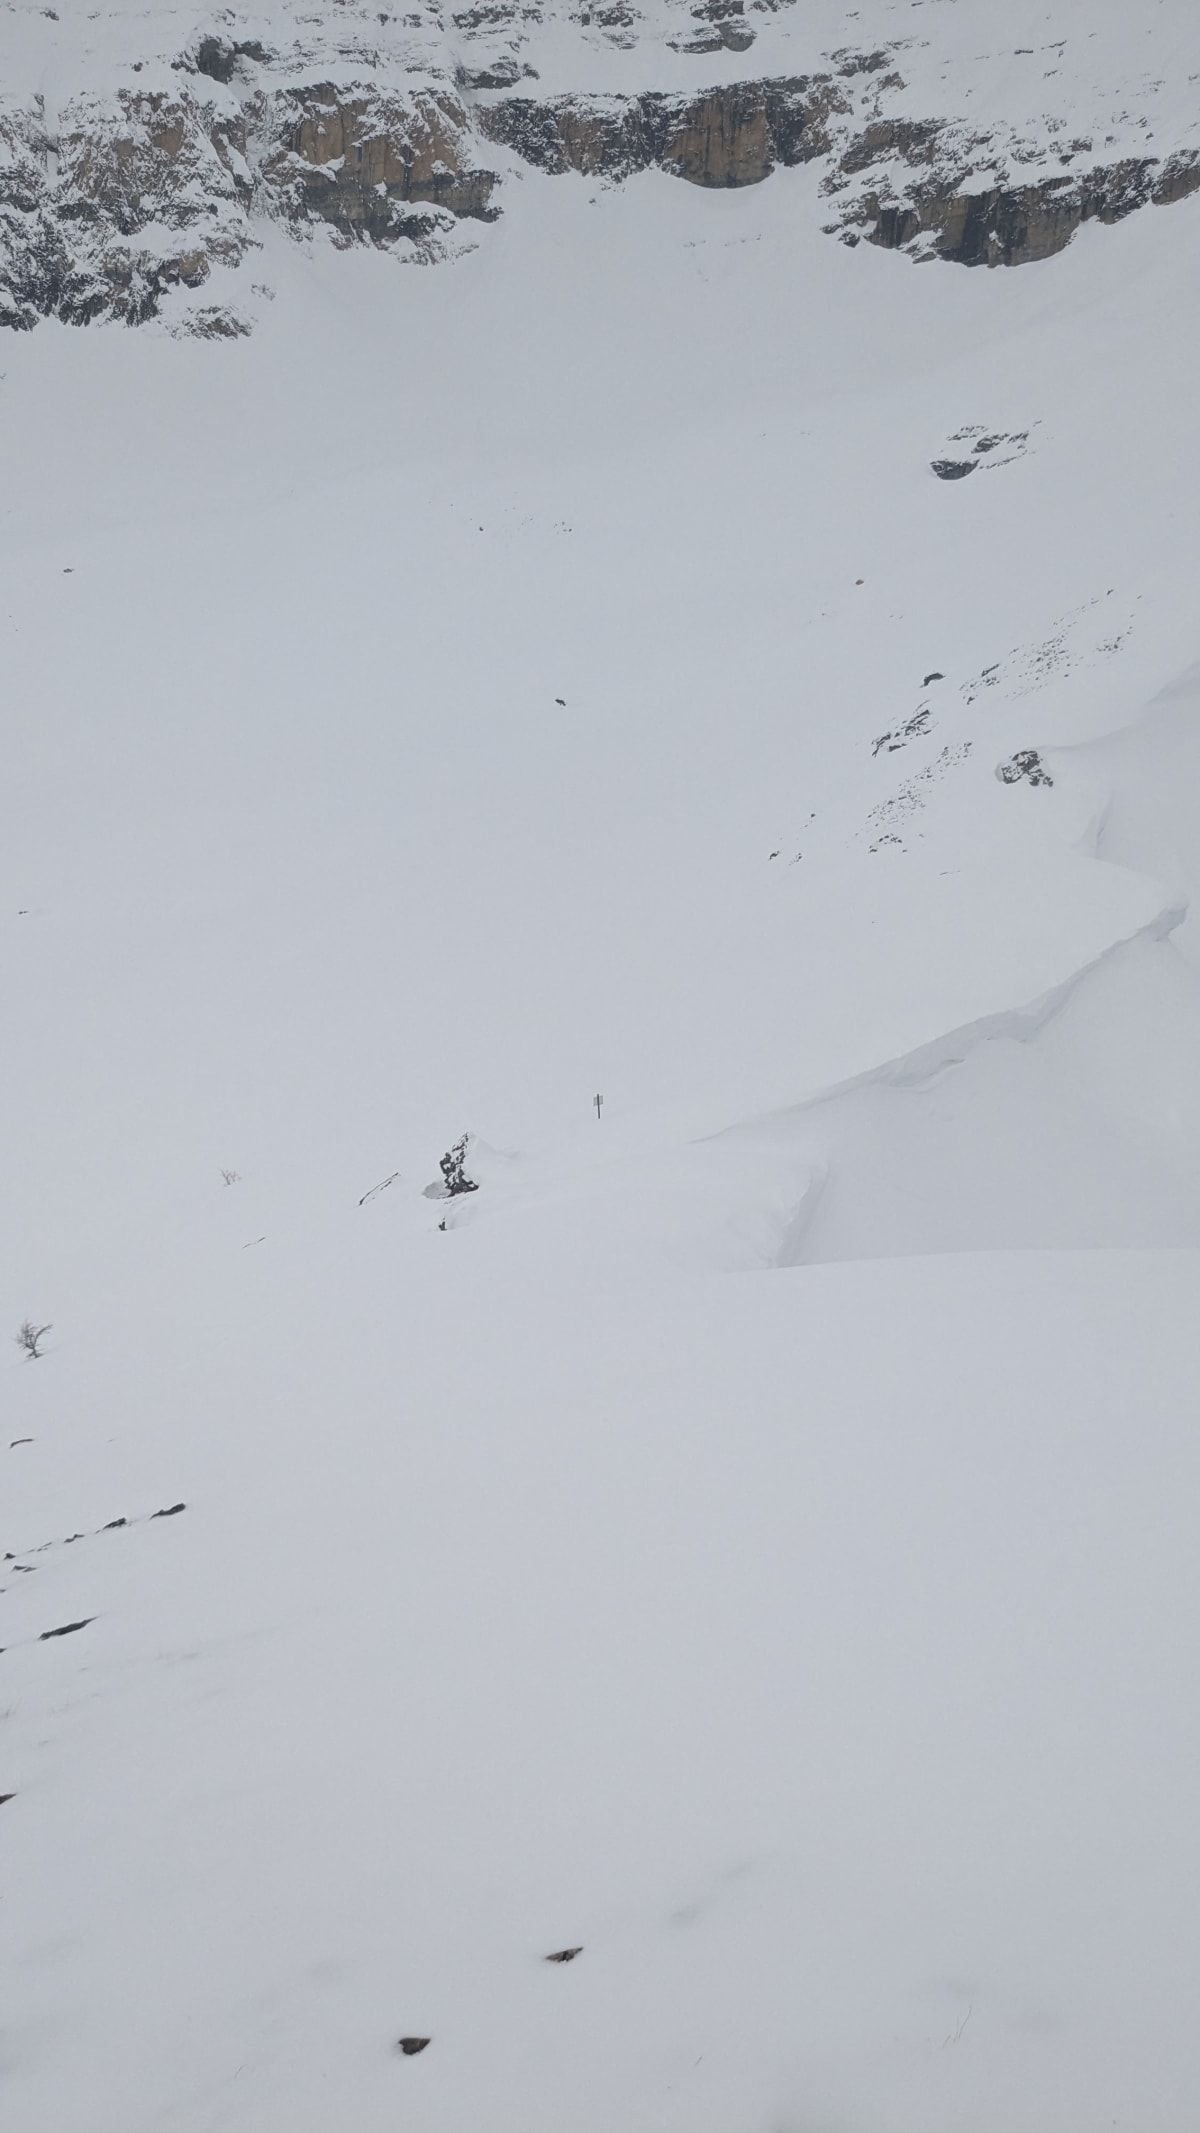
1026 763
453 1166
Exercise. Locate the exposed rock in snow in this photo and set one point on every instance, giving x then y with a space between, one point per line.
120 201
392 129
735 135
359 161
130 199
1004 225
1026 763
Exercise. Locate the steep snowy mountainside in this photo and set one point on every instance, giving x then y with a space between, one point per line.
143 150
749 1540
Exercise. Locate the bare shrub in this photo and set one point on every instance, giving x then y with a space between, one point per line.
30 1338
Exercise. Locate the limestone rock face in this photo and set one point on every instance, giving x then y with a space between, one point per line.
610 135
724 139
76 207
164 162
123 202
359 161
911 141
735 135
1012 225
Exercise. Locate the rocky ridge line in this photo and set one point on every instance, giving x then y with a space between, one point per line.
118 200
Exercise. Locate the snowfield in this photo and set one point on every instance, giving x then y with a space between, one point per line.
752 1538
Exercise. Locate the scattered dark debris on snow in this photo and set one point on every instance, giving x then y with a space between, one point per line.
894 813
1011 444
211 322
113 1526
67 1629
953 469
1026 763
410 2046
932 677
564 1955
915 728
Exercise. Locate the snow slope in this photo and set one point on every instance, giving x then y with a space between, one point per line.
753 1540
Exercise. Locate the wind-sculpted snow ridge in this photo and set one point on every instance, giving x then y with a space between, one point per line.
1058 1122
1014 1130
142 153
994 1136
1000 1134
919 1069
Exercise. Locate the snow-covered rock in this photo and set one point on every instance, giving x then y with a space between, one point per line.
140 151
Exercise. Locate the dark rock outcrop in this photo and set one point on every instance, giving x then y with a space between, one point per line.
218 59
132 199
720 26
1005 225
117 205
913 141
730 136
74 207
503 73
1027 764
359 160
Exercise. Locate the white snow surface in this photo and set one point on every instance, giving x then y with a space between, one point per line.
753 1537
